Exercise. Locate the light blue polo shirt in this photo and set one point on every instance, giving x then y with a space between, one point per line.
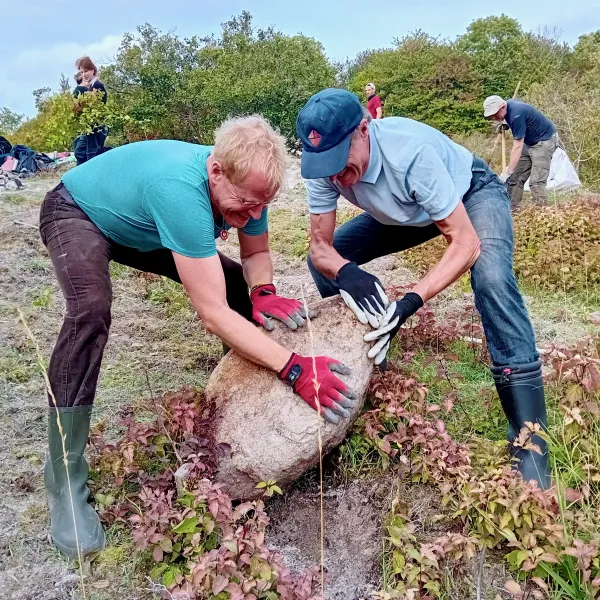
416 175
152 194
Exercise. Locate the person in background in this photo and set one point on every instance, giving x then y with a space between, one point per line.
535 141
373 102
88 146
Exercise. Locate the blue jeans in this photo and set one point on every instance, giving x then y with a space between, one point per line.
507 327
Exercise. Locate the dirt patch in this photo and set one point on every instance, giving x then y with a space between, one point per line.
354 518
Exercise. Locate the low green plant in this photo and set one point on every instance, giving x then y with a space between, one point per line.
269 488
415 570
43 298
16 367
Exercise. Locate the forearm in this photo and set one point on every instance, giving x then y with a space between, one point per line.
246 339
458 259
258 269
515 156
326 259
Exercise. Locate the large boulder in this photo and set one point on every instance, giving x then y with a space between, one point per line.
272 432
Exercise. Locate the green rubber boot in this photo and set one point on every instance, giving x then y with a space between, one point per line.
90 536
521 391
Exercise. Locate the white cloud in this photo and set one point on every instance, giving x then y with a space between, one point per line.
34 68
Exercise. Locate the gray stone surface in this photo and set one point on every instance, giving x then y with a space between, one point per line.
272 432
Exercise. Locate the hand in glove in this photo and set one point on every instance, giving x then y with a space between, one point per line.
362 293
395 316
504 175
502 127
334 396
266 303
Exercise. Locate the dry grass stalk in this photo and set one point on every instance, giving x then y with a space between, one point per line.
43 369
320 436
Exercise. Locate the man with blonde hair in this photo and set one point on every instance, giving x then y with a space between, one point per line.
158 206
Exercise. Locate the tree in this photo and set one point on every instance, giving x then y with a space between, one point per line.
40 96
426 79
63 85
183 88
586 58
506 57
496 46
9 121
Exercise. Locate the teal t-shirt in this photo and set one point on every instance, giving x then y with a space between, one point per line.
152 194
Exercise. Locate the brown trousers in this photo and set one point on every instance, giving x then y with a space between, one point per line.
80 255
534 165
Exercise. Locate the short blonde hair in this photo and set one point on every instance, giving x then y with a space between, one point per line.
246 143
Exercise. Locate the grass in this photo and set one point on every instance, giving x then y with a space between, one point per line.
17 367
288 232
477 408
170 295
14 198
43 298
39 265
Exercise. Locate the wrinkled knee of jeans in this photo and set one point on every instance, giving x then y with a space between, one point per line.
491 281
95 313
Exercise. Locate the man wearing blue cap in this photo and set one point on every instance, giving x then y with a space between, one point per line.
414 184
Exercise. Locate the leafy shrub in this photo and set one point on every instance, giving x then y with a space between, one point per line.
202 547
426 79
61 118
556 247
551 540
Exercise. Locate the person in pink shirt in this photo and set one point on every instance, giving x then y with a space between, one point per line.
373 102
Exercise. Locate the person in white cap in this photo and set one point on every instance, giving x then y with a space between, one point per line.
374 105
535 141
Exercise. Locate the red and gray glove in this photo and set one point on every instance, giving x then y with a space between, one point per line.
266 303
322 388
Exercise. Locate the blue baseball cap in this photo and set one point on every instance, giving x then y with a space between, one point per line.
324 125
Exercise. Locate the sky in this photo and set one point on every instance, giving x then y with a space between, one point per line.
60 31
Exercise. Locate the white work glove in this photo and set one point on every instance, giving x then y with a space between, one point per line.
504 175
396 315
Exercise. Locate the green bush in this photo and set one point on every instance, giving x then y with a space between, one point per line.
60 119
556 247
184 88
425 79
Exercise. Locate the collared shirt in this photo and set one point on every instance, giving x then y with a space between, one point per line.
528 123
152 194
373 103
416 175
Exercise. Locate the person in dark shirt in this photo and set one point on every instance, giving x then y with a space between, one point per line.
88 146
373 102
79 89
535 141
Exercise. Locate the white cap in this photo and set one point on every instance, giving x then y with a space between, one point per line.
491 105
371 85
